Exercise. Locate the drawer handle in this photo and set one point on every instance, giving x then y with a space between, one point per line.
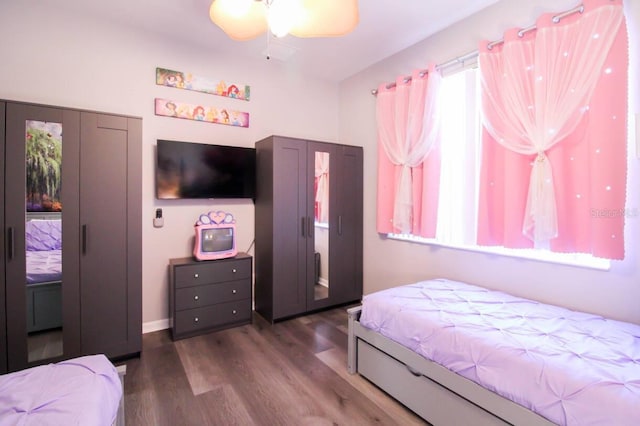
196 297
234 270
196 319
414 372
234 291
234 312
195 275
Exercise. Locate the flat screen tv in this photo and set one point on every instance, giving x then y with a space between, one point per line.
194 170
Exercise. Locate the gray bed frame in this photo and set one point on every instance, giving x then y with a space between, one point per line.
435 393
44 306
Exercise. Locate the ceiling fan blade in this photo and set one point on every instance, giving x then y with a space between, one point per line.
326 18
241 27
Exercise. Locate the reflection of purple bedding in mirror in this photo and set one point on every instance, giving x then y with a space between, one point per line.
43 235
44 250
44 266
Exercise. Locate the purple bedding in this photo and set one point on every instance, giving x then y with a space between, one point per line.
44 251
570 367
80 391
44 266
43 235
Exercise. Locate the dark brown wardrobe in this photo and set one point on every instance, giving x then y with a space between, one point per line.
72 183
308 227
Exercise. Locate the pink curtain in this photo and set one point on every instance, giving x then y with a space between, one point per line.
322 186
408 154
554 136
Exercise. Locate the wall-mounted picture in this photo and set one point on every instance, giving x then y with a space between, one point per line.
209 114
188 81
44 165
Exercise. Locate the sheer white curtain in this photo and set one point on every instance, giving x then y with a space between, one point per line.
408 128
536 89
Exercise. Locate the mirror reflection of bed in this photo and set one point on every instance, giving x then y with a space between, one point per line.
43 284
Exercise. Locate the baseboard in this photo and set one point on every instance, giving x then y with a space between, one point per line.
151 326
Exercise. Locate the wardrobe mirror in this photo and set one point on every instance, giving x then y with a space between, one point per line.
43 239
321 235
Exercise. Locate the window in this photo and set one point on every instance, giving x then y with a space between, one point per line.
459 178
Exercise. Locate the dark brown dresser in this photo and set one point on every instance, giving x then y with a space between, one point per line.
210 295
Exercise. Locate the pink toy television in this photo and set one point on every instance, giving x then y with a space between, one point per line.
215 236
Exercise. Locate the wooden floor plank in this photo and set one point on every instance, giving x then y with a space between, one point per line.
337 360
224 407
292 372
203 375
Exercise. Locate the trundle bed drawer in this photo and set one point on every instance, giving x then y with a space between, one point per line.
422 395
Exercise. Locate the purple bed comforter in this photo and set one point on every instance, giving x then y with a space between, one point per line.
80 391
569 367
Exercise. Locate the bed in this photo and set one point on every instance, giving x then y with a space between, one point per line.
456 353
81 391
43 273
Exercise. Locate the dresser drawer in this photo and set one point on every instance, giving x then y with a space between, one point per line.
204 295
214 316
215 271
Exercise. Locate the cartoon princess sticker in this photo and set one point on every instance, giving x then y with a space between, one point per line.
184 111
221 89
225 116
212 115
233 91
198 113
171 108
235 119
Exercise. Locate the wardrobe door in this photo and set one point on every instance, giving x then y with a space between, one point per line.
3 317
41 197
346 248
110 222
264 222
290 227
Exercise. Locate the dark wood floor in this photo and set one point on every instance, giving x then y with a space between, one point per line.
290 373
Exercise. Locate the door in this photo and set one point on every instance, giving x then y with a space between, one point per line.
110 216
40 212
291 227
348 210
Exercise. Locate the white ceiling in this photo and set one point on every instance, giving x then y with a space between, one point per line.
386 27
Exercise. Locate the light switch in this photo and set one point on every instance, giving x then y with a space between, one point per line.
158 221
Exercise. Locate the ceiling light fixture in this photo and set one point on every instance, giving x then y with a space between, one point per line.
247 19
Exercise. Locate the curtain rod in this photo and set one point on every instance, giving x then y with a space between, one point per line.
472 55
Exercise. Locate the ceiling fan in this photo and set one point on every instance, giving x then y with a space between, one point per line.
247 19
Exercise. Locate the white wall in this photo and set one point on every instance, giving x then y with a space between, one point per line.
387 263
48 56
